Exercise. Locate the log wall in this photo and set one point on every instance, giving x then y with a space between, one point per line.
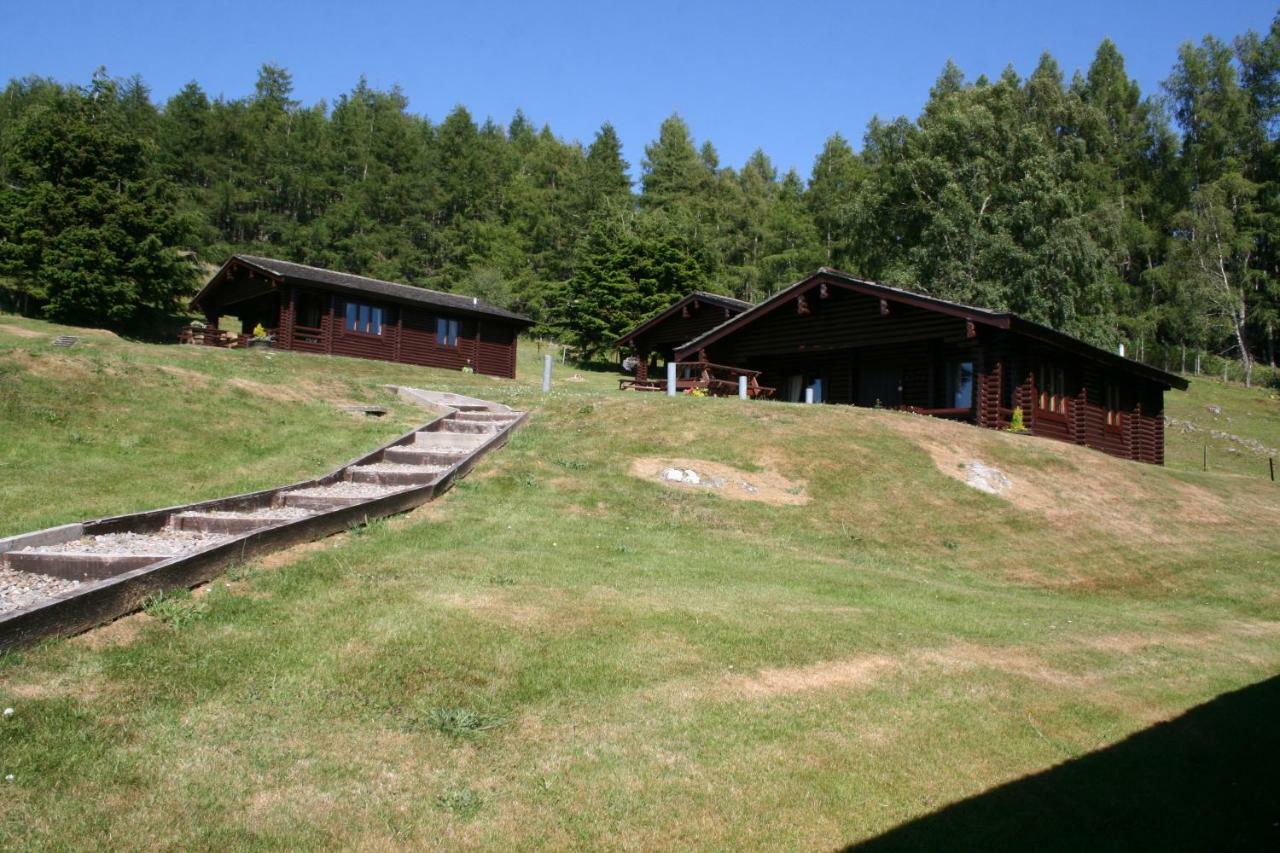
408 336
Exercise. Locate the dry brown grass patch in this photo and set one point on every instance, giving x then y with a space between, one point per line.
1070 485
121 632
19 332
825 675
50 366
766 486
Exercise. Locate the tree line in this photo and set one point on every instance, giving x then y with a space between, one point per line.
1083 203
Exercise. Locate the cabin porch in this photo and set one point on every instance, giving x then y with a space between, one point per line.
715 380
256 309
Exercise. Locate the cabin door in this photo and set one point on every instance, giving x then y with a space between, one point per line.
879 383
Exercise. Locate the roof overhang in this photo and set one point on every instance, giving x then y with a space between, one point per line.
994 319
679 305
239 261
228 267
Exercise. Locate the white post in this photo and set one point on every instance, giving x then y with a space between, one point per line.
546 374
808 395
742 387
671 379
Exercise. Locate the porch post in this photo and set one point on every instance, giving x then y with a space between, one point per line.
1024 397
642 365
1079 414
989 395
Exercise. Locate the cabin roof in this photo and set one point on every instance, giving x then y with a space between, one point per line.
998 319
350 283
727 302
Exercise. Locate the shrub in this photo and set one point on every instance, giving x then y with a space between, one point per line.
176 609
463 803
1015 421
462 722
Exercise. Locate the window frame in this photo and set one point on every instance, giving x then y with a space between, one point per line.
362 318
1114 407
1051 389
952 383
450 326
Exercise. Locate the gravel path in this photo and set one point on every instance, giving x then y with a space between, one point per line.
165 543
402 468
270 513
344 489
22 589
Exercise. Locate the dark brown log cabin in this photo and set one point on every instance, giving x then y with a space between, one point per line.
654 342
867 344
308 309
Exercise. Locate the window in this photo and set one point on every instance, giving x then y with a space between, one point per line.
446 332
960 385
1053 389
1113 405
364 319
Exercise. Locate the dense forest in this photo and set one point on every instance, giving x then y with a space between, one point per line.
1151 219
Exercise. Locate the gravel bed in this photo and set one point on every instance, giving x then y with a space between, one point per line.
165 543
344 489
402 468
272 513
23 589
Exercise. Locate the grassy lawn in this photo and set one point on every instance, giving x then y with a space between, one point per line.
560 653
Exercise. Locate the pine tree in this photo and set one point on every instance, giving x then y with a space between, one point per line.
86 225
673 171
833 202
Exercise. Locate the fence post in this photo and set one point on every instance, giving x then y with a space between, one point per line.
546 374
1204 459
671 379
1271 460
742 387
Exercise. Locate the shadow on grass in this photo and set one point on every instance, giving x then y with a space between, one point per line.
1207 780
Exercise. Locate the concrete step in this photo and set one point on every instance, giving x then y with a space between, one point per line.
413 454
439 440
78 567
421 475
469 427
318 504
234 523
335 495
487 417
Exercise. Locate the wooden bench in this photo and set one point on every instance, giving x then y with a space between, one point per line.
718 380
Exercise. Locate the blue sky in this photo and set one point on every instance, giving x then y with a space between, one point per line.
781 76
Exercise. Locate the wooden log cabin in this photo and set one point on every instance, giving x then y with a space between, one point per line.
308 309
654 342
858 342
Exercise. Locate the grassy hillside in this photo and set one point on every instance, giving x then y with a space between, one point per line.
566 652
110 426
1239 427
